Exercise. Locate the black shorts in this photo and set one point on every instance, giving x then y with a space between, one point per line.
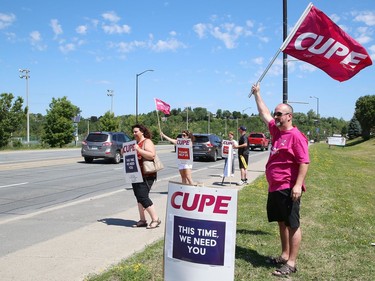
281 208
142 190
246 157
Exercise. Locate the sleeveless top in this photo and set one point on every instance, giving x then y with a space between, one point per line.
140 160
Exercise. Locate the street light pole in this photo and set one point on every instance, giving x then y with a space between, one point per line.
208 124
317 116
111 94
25 74
136 93
245 109
317 105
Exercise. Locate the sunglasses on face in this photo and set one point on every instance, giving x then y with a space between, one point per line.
184 135
279 114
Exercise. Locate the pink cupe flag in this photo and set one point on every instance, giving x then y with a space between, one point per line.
162 106
316 39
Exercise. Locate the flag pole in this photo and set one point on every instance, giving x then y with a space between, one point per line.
157 114
285 43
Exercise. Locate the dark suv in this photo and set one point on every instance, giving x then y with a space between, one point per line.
207 146
105 145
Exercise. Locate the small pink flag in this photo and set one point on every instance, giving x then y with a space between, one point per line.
162 106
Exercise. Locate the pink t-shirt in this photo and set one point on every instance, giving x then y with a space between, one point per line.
289 149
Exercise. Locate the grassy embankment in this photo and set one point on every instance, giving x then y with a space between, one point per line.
338 215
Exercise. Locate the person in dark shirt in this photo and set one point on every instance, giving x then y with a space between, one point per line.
243 154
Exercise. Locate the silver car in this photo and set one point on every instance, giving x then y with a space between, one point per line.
207 146
105 145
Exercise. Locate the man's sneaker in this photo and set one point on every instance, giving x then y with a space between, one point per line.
242 182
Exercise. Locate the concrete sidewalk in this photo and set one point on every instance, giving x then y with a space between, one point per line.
96 247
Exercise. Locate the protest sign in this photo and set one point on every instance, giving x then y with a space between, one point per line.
200 235
132 169
184 151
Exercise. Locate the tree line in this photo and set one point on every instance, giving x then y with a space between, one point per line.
62 124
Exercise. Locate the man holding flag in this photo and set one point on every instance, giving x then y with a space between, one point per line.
286 170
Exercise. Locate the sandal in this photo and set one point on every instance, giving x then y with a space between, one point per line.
154 224
140 223
276 260
285 270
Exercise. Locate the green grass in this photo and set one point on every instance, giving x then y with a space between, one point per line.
337 220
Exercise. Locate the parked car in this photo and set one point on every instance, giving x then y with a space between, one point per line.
207 146
258 140
105 145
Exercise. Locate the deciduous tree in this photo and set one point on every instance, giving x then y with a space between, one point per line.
11 115
59 128
365 114
108 122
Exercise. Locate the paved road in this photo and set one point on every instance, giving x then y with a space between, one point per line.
61 219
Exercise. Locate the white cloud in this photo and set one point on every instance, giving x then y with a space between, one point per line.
171 44
249 23
363 39
372 50
127 47
116 29
264 39
200 29
228 33
82 29
364 34
258 60
111 16
168 45
6 20
277 68
11 36
113 27
335 18
56 27
306 67
37 41
67 48
366 17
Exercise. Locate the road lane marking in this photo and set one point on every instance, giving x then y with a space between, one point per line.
15 184
38 163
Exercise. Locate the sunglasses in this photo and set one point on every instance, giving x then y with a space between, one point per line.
279 114
184 135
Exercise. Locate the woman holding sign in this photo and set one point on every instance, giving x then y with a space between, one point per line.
185 169
234 144
145 150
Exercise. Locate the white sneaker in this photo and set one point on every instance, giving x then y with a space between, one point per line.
242 182
232 175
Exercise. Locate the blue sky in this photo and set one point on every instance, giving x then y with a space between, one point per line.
204 54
